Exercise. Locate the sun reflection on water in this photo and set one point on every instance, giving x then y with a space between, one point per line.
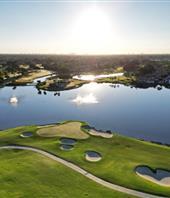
94 77
85 77
87 99
13 101
92 86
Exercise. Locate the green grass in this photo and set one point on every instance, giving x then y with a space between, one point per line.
118 80
120 157
52 85
25 174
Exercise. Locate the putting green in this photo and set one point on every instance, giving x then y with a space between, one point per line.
67 129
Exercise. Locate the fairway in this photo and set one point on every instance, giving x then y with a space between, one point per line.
68 129
26 174
120 155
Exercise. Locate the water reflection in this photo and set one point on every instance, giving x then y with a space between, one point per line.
93 77
141 113
87 99
13 101
85 77
93 86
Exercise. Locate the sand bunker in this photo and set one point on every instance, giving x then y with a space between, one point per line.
26 134
100 133
93 156
159 176
66 147
68 141
67 144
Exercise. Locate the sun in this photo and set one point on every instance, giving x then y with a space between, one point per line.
92 29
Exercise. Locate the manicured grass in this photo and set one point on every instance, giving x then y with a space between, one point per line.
29 175
120 156
68 129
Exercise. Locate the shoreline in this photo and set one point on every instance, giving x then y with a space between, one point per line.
76 83
86 126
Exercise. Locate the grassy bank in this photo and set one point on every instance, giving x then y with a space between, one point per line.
60 84
120 156
31 76
118 80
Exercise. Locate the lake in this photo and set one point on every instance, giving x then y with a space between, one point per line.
140 113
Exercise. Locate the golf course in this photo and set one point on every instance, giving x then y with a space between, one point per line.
32 163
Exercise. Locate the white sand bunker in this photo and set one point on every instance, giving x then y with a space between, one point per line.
67 144
68 141
66 147
93 156
104 134
26 134
159 176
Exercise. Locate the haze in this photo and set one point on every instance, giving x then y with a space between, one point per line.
85 27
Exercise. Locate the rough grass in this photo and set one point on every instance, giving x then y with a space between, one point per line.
32 75
69 129
51 85
28 175
118 80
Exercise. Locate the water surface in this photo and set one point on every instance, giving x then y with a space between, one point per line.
141 113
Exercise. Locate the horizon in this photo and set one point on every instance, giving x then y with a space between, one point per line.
74 54
85 28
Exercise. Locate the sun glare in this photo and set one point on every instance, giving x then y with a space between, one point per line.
92 30
85 77
87 99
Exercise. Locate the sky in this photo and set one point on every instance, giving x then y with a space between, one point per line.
84 27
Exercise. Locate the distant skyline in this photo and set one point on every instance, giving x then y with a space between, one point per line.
84 27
